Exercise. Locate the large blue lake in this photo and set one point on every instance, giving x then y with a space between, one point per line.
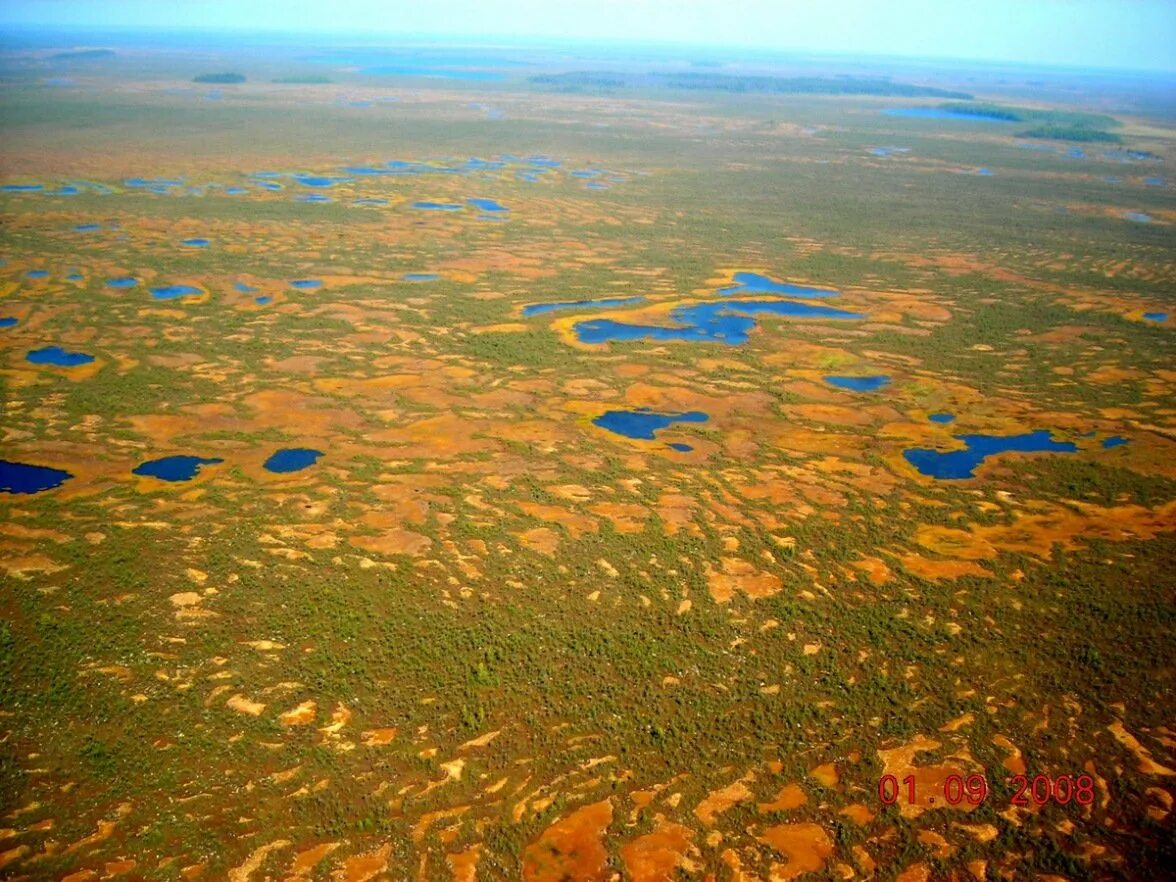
174 468
173 292
940 113
292 459
55 355
19 477
956 464
858 384
754 283
727 321
643 423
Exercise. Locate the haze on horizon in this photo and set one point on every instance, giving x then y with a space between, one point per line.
1123 34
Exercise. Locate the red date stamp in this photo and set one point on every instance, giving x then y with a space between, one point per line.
974 789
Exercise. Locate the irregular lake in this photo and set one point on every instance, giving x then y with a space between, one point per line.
487 205
319 180
174 468
243 288
940 113
727 321
437 206
420 277
87 228
19 477
540 308
313 197
292 459
37 274
55 355
754 283
941 418
306 284
263 300
172 292
643 423
1156 316
194 243
8 321
858 384
21 188
956 464
1114 441
1140 217
681 448
122 282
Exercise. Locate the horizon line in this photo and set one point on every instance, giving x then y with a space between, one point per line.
504 40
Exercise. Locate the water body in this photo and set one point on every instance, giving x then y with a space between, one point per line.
1155 182
370 201
1140 217
236 191
8 321
55 355
858 384
487 205
596 185
21 188
441 73
19 477
67 190
729 322
888 151
681 448
174 468
173 292
194 243
243 288
122 282
420 277
87 228
306 284
957 464
263 300
754 283
437 206
643 423
152 183
586 173
942 418
1156 316
940 113
540 308
319 180
1114 441
313 197
269 185
37 274
983 172
292 459
74 277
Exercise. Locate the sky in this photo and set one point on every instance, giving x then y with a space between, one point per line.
1125 34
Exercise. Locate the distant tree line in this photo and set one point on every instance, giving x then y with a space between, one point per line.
579 80
1054 125
82 54
219 78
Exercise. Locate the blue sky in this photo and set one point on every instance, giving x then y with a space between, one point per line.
1130 34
